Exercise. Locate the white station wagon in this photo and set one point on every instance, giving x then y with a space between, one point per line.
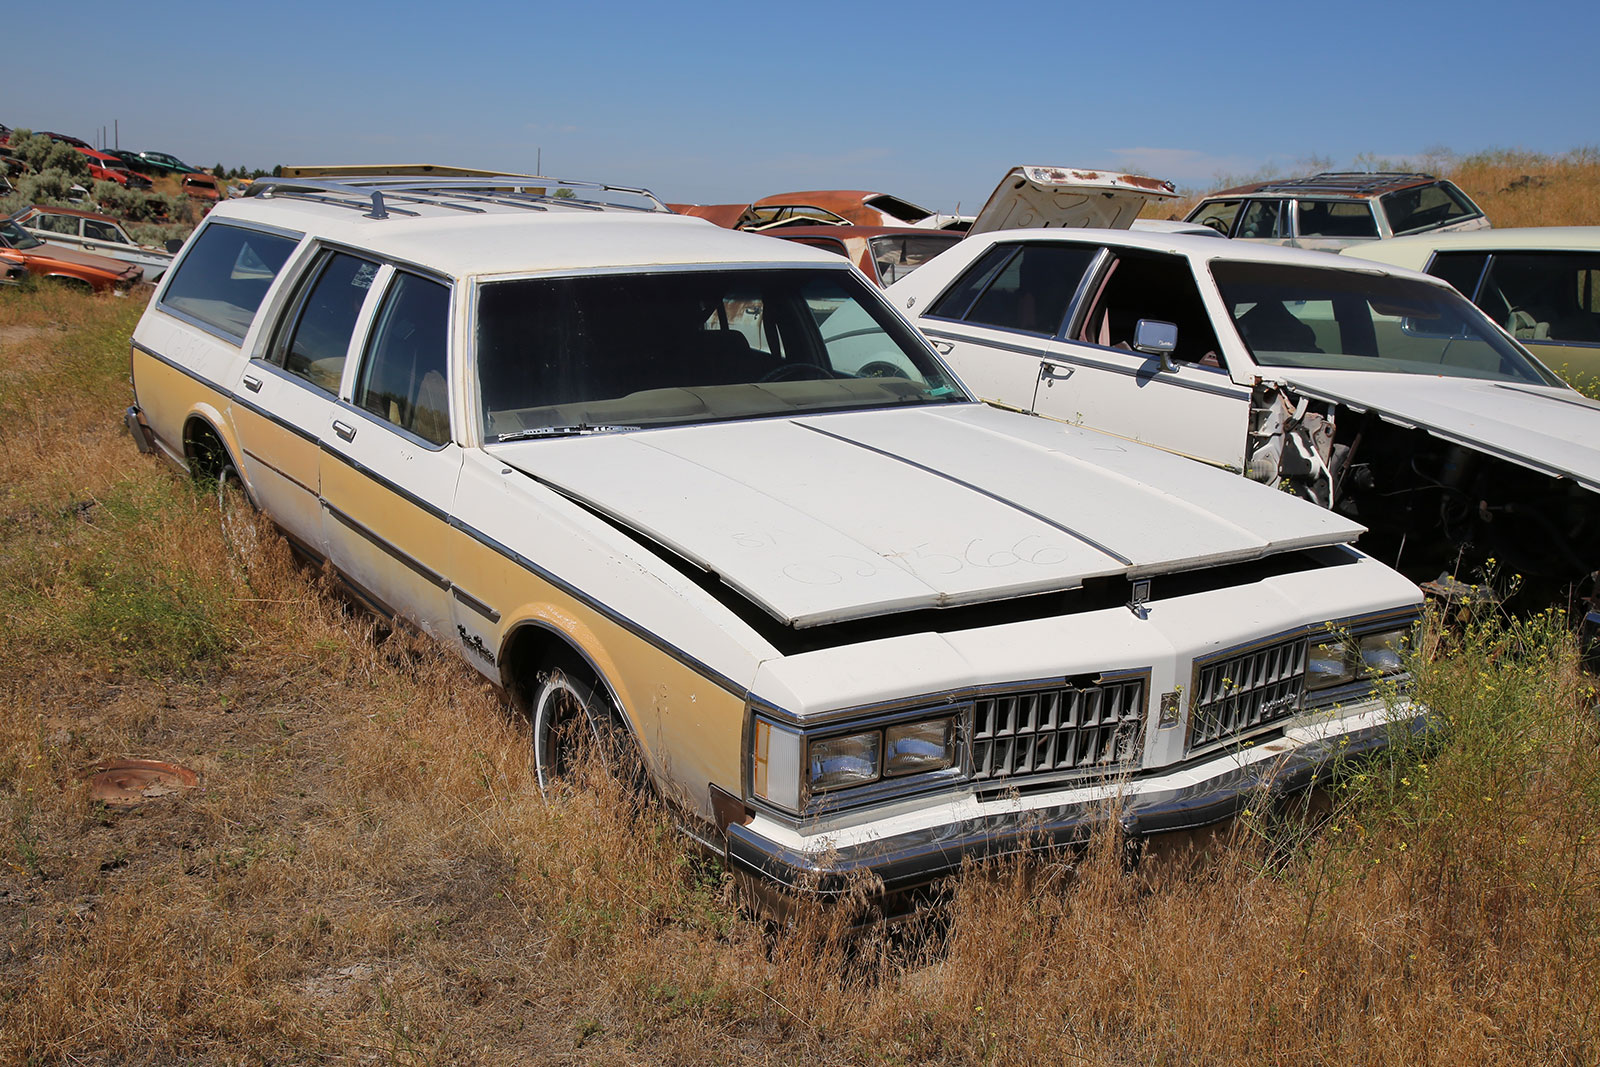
710 491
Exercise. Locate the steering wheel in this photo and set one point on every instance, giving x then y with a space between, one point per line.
795 372
1216 223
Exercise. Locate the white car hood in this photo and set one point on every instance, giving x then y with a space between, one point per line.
1550 429
1068 196
827 518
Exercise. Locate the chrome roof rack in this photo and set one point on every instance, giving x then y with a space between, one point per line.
381 190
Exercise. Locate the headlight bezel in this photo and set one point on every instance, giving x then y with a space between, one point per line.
884 784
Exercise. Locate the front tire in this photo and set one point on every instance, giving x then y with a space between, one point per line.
575 721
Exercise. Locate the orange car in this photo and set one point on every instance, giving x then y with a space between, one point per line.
67 265
203 187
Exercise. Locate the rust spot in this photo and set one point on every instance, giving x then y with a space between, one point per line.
129 783
1157 185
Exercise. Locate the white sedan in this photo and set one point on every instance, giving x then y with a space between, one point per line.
1374 390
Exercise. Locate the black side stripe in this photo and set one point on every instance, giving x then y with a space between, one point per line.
417 567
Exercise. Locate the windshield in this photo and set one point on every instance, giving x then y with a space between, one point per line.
1291 316
16 237
626 350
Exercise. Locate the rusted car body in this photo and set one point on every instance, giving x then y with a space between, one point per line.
99 234
202 187
883 253
68 265
837 206
108 168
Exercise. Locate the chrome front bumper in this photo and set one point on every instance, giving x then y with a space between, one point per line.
1226 785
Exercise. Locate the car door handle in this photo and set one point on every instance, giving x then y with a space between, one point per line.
252 383
345 431
1055 372
944 348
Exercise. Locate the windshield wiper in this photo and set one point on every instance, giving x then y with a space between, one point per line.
579 430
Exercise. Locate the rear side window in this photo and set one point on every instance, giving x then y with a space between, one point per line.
1336 218
222 279
1427 207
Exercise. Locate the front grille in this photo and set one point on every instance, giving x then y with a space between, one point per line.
1239 693
1087 729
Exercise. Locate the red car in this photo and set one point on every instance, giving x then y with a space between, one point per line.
111 169
18 246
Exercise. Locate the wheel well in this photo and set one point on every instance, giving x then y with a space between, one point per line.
70 282
533 649
204 450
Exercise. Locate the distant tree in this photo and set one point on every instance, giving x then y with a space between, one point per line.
564 194
277 170
219 171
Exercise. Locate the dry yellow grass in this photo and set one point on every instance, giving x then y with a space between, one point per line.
367 874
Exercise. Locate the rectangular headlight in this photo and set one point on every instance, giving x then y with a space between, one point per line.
914 747
1329 663
1380 652
846 760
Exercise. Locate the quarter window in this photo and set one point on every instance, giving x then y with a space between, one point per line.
224 276
403 375
1427 207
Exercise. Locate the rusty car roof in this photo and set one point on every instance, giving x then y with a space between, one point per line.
1355 184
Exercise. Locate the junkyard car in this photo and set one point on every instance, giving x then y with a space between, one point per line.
67 265
1541 283
858 207
203 188
93 232
1337 209
108 168
1378 391
851 621
162 163
883 253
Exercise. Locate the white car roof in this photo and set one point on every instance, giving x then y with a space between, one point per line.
1415 249
510 240
1198 247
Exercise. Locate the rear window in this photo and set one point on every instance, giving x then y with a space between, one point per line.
224 276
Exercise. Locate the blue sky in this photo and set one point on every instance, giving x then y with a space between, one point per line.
716 102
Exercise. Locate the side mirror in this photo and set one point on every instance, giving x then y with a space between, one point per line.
1156 339
173 245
